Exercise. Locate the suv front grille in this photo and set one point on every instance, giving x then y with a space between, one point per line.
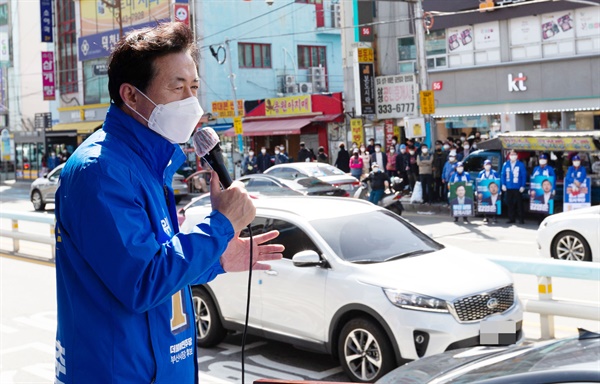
476 307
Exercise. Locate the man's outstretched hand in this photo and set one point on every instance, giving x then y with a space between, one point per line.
236 257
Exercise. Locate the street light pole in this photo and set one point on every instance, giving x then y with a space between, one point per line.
422 61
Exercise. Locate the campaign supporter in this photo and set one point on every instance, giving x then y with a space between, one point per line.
449 168
460 174
543 169
123 270
513 178
576 174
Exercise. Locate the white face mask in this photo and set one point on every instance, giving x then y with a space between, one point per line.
277 152
459 169
392 150
377 149
263 151
513 158
462 138
250 153
451 159
543 161
281 149
424 150
466 146
446 147
175 121
487 167
577 163
394 142
411 152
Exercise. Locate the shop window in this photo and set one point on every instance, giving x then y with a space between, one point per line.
95 82
252 55
66 41
407 50
311 56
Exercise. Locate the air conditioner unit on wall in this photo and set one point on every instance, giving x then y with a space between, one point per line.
305 87
317 78
290 80
291 88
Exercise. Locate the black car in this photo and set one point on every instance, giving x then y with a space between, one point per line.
570 360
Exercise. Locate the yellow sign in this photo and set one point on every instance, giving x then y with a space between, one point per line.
223 109
237 125
99 16
292 105
365 55
356 126
427 101
548 143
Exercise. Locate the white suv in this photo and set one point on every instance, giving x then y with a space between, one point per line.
359 282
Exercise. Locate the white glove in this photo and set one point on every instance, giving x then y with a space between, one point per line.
521 189
504 188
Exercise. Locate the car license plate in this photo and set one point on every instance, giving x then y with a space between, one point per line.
497 332
176 192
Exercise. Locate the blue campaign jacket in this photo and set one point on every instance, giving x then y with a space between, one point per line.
513 177
123 272
456 177
545 171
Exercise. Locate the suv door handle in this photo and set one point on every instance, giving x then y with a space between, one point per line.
272 272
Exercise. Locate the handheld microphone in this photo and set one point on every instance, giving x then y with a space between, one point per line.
206 145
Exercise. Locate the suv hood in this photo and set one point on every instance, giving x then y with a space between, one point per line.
446 274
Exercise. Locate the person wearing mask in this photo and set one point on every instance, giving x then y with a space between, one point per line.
466 150
391 161
379 157
379 181
402 165
425 164
487 173
460 175
513 178
439 159
322 156
371 146
395 144
356 164
343 159
280 157
543 169
366 158
413 171
123 285
304 155
263 160
250 164
576 174
449 169
283 151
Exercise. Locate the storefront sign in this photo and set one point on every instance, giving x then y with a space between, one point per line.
525 30
3 14
102 16
487 35
427 102
516 84
588 21
437 85
237 125
223 109
575 144
460 39
396 96
292 105
414 127
46 20
557 26
356 126
365 55
366 88
4 50
48 76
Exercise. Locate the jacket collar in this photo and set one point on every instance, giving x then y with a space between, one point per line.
157 152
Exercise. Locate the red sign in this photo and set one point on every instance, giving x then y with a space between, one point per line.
365 31
182 13
48 85
437 85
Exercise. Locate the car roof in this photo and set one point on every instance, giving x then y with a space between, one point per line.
311 207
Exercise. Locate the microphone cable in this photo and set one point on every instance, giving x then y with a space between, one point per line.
244 333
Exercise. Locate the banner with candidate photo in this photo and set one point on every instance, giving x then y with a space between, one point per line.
489 200
576 197
461 199
541 196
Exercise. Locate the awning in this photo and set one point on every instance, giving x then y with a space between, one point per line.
82 127
272 127
329 118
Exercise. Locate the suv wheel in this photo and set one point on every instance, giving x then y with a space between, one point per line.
38 202
569 245
364 351
209 330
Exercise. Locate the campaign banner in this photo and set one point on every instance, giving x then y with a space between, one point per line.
461 200
577 197
489 200
541 194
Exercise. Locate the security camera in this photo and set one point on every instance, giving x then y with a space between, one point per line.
269 2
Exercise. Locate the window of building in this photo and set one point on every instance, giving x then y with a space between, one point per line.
311 56
251 55
66 46
95 82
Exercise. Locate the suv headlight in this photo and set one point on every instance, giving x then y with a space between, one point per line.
415 301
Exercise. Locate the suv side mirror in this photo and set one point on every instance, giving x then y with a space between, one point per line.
308 258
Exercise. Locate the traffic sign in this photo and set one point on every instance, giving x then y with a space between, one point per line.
427 101
237 125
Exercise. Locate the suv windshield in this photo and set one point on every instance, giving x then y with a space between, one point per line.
373 237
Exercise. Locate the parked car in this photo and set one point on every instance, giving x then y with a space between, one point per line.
272 185
359 282
571 360
324 172
42 190
572 235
